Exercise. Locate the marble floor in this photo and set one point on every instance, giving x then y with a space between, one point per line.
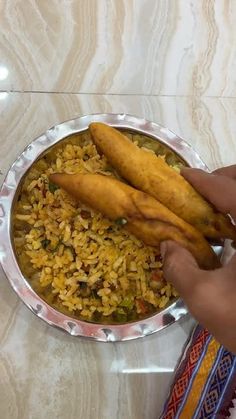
170 61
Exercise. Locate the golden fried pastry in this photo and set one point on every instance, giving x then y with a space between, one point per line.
140 213
151 174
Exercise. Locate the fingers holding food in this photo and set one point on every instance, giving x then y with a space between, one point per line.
151 174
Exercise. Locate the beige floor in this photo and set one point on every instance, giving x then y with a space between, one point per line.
170 61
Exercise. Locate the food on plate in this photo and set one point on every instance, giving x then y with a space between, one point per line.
79 261
151 174
141 214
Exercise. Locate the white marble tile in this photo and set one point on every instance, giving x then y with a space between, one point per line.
167 47
208 124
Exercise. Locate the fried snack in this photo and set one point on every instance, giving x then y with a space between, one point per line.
152 175
140 213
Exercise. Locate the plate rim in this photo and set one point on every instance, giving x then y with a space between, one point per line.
76 327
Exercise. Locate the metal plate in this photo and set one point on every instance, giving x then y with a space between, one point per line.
8 260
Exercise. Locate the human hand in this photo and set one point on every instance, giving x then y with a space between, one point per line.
209 295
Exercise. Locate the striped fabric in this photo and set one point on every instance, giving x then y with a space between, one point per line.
205 380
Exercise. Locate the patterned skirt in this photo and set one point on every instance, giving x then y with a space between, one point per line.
205 380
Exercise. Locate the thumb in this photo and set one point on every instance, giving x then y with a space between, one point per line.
180 268
217 189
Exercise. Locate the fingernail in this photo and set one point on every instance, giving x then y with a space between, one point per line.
163 249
